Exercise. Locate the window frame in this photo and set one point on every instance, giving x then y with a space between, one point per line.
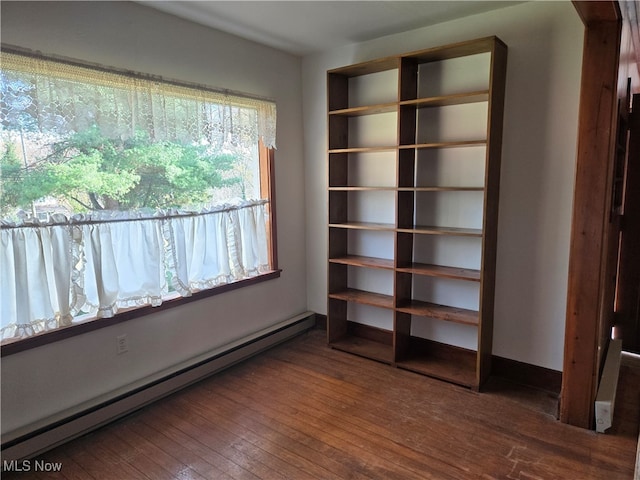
267 190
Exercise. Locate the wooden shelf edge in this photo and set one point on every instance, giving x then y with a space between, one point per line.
345 188
365 348
431 230
386 148
446 100
385 227
426 102
403 189
364 298
362 189
461 143
367 67
454 50
436 370
438 360
418 146
366 110
441 312
441 189
441 271
362 261
418 229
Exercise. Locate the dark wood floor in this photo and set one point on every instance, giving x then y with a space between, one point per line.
304 411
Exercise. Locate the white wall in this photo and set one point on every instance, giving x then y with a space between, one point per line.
539 150
45 381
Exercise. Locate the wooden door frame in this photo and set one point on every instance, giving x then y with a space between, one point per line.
591 209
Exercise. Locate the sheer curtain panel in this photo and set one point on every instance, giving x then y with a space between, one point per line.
35 280
51 273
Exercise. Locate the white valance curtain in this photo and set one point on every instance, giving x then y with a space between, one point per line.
50 273
50 96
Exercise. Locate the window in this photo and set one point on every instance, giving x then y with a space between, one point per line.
123 190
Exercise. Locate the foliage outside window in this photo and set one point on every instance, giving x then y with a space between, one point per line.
120 190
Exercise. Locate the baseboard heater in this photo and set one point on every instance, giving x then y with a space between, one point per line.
606 397
61 431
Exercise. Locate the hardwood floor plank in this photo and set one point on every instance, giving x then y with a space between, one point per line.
71 470
303 411
487 417
156 433
254 462
96 455
378 425
203 444
281 453
119 455
293 438
160 464
347 436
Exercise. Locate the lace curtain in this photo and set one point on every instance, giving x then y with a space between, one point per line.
50 273
56 98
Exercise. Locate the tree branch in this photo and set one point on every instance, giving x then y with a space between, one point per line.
94 201
146 197
80 202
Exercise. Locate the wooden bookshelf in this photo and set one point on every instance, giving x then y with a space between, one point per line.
432 233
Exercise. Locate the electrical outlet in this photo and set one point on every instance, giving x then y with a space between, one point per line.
122 344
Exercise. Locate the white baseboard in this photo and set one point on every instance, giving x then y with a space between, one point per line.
60 430
606 397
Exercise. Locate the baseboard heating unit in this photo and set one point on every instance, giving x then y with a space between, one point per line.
61 430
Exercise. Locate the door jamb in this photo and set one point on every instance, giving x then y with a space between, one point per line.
592 198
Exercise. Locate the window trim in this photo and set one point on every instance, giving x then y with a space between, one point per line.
63 333
267 189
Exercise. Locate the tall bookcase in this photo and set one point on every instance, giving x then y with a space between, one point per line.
414 173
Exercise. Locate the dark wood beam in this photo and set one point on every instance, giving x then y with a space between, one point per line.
594 12
592 200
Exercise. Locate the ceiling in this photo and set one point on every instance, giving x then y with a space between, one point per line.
304 27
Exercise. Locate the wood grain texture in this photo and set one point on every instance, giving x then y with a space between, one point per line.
366 110
462 143
441 312
304 411
444 100
361 261
366 68
443 272
493 163
363 297
589 243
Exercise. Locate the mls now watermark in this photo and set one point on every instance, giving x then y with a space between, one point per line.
30 466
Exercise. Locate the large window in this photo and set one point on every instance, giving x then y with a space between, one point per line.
121 191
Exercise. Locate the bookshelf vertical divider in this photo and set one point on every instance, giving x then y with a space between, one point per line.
393 295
